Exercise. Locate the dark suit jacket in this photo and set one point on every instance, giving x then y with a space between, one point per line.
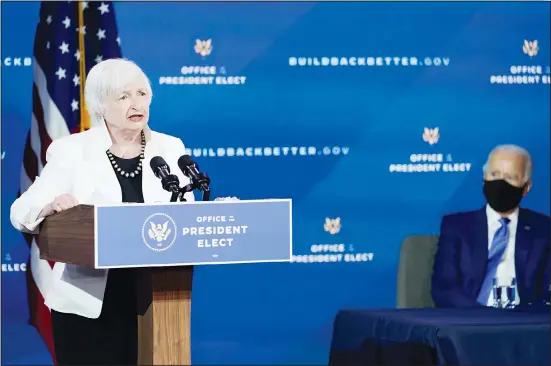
462 256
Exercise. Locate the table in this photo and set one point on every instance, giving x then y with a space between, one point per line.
480 336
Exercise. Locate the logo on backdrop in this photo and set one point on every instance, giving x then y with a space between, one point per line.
369 61
533 73
431 135
332 226
203 72
430 162
17 62
203 48
159 232
9 266
530 48
332 253
268 151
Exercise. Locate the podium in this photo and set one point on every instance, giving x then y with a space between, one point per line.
170 239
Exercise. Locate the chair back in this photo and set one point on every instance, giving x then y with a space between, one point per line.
415 271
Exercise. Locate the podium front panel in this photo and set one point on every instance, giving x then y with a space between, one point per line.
195 233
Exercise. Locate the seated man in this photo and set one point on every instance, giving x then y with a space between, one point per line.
499 241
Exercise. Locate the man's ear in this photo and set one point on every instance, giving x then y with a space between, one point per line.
527 187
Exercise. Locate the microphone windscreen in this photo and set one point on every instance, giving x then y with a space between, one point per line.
185 162
157 162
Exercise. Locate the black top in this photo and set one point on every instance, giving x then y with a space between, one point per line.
121 294
131 187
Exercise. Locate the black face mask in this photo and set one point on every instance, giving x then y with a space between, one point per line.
502 196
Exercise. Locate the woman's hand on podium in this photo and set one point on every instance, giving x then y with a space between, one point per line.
226 199
60 203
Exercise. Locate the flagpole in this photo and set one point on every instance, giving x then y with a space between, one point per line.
84 117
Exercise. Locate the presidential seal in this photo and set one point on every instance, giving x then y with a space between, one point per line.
159 232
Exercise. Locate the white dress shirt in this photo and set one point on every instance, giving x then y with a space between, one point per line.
506 268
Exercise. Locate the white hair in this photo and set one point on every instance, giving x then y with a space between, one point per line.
106 77
516 150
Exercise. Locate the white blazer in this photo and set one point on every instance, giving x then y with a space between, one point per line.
78 165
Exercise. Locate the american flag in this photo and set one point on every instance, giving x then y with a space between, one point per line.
57 90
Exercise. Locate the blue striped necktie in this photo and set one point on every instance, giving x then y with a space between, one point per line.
497 249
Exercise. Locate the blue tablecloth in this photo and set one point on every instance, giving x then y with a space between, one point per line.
482 336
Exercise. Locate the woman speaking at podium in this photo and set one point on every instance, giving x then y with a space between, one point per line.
94 311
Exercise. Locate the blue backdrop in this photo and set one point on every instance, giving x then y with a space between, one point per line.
332 113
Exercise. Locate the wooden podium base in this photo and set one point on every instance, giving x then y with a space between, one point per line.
164 331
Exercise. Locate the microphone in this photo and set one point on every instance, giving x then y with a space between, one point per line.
161 170
191 170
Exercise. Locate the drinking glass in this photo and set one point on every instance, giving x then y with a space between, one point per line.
511 293
497 293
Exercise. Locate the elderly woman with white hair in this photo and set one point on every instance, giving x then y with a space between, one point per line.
94 311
